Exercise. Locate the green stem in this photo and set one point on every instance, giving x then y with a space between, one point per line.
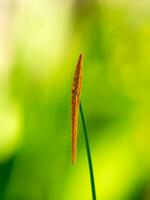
88 154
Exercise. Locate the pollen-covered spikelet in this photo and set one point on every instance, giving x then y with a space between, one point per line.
76 91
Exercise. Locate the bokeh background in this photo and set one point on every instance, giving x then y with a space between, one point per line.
40 41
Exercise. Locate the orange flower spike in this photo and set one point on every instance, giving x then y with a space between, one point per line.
76 91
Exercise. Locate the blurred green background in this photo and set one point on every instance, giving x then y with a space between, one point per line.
40 42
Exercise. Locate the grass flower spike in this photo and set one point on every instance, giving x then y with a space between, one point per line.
76 92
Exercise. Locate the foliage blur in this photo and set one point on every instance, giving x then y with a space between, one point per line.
40 42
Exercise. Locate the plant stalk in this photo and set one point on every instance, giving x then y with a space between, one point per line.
88 154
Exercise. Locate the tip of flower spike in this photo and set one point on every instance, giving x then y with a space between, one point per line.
80 58
81 55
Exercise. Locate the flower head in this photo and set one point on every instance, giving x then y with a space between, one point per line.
76 91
